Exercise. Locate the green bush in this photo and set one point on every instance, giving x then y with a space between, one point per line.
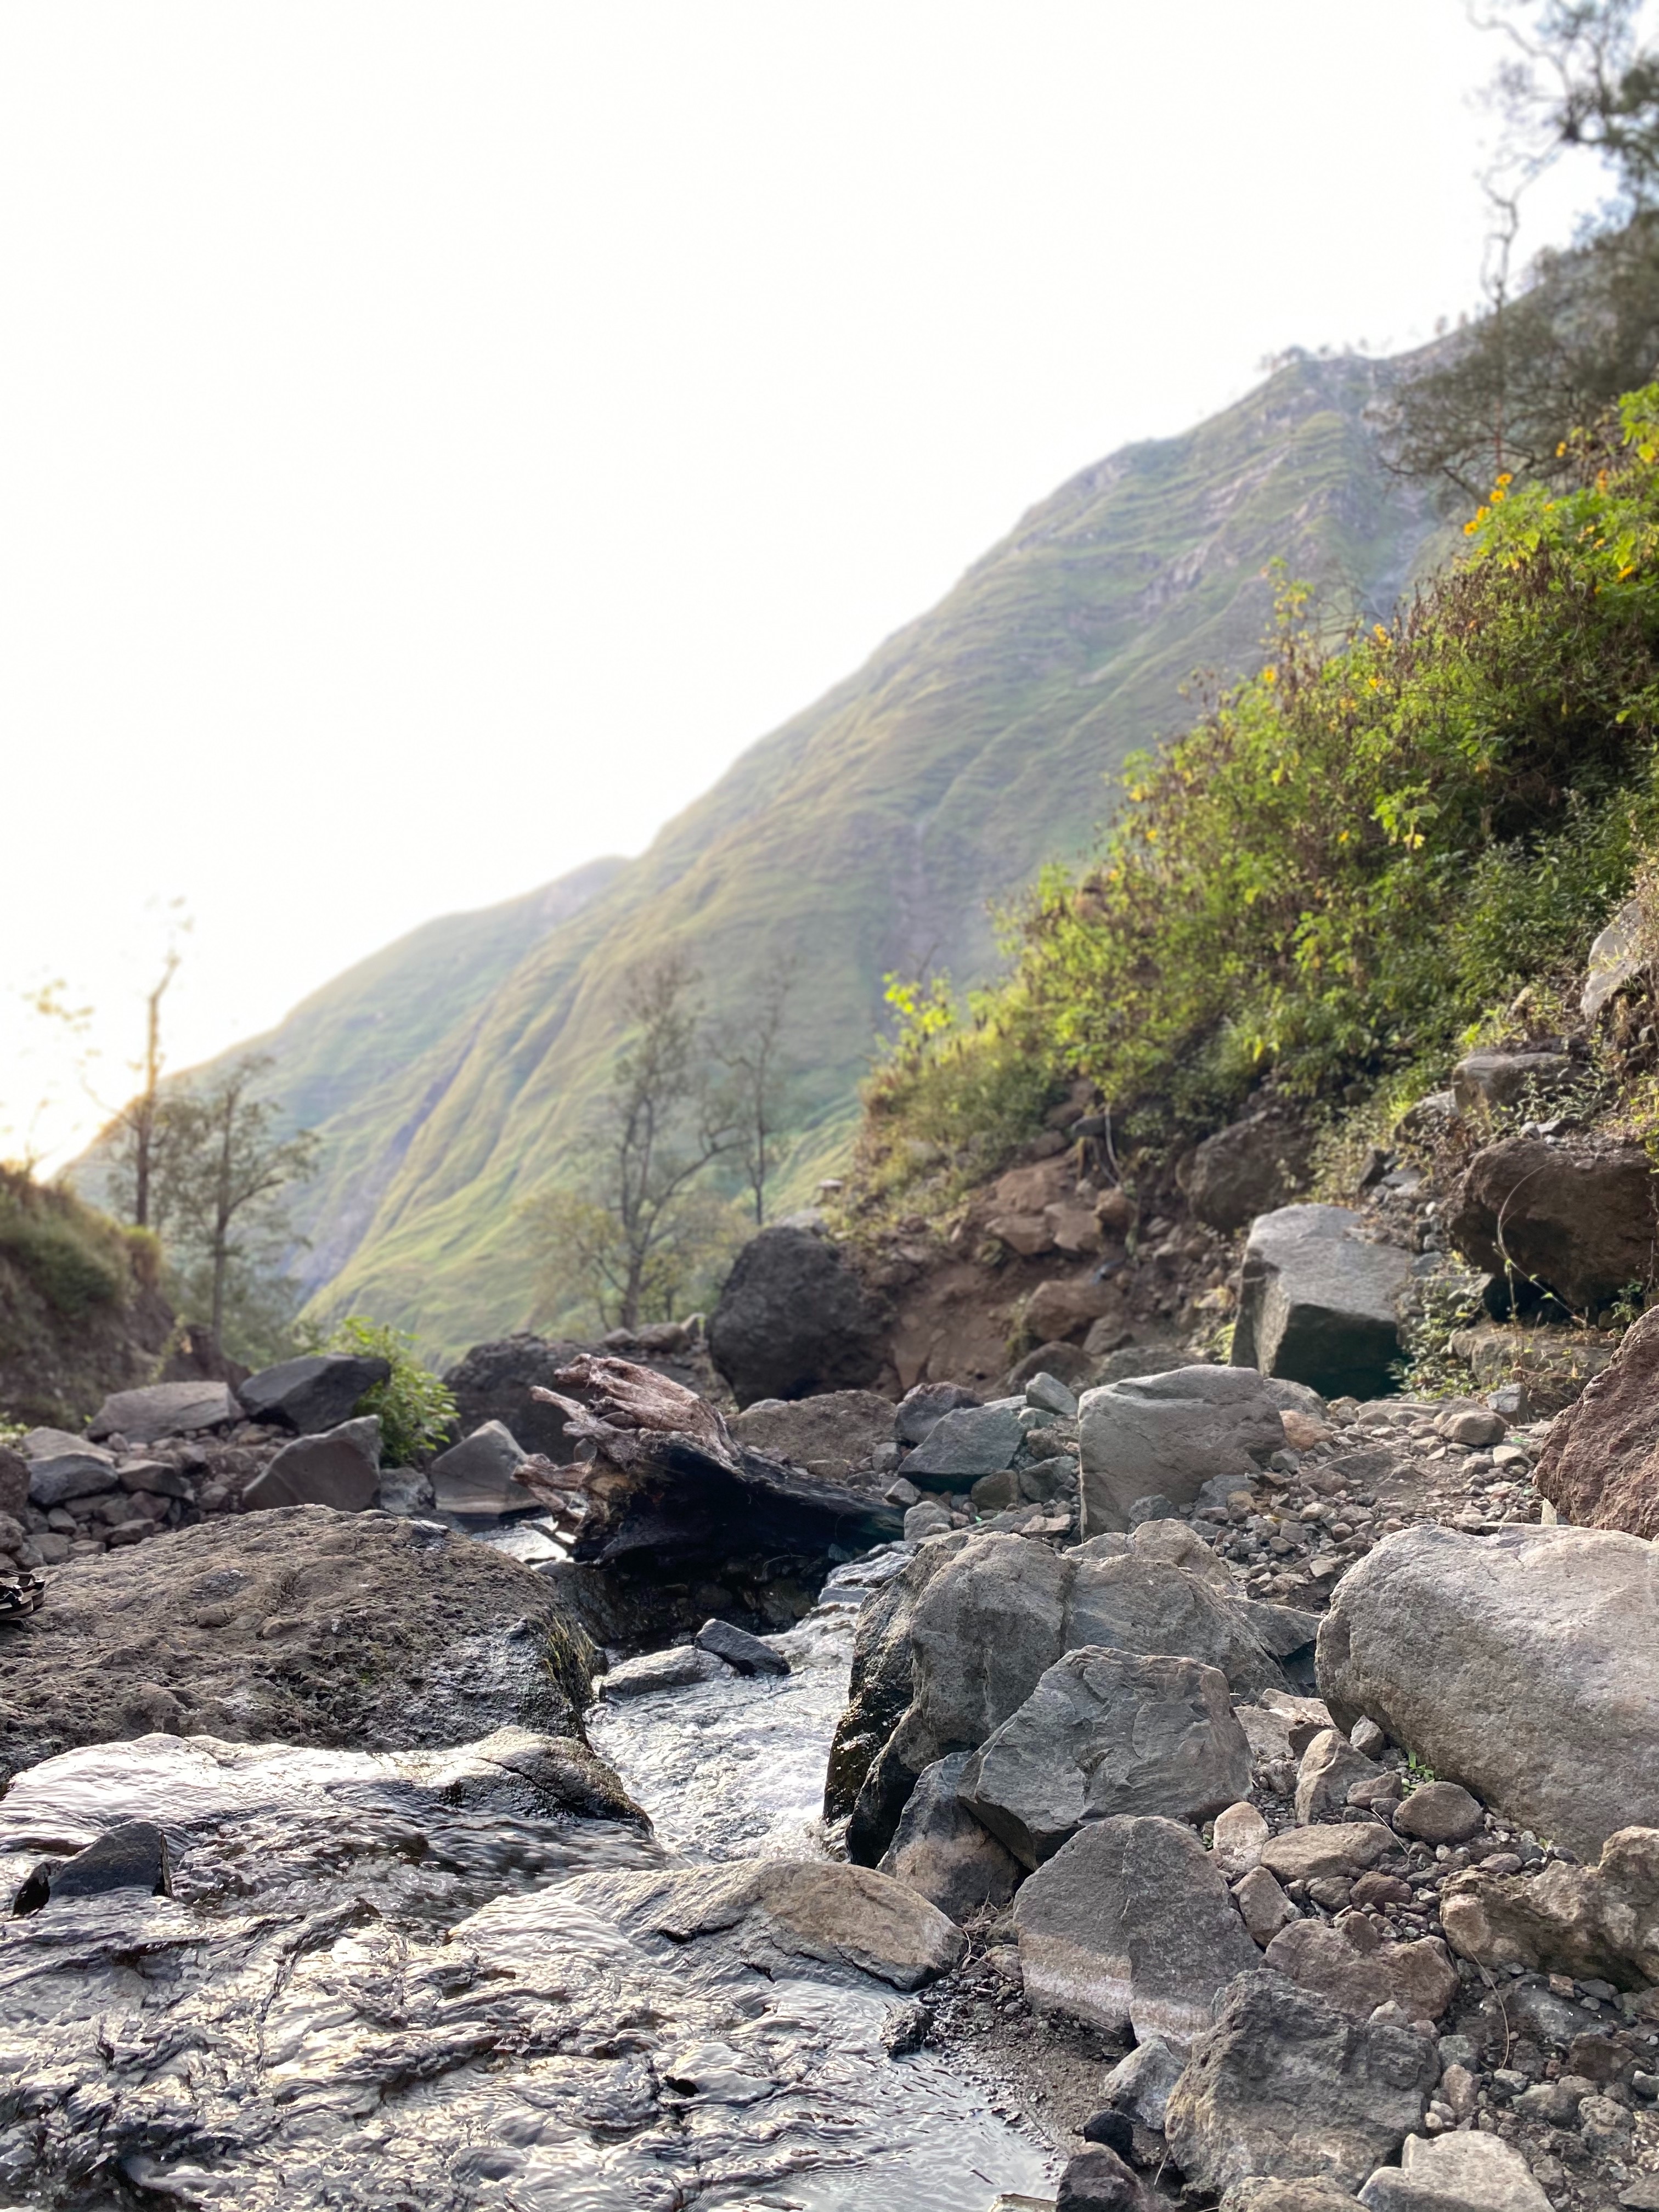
416 1411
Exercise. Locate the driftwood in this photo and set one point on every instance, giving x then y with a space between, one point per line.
668 1477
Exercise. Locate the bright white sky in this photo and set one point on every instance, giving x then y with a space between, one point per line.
434 440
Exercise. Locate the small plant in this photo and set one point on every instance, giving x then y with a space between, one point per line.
416 1410
1417 1773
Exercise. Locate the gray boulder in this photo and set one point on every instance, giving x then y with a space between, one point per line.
1129 1926
943 1853
1524 1665
1463 2173
312 1393
1351 1967
1108 1732
834 1435
1618 957
794 1318
341 1469
1169 1434
1139 2085
476 1475
743 1653
86 1471
1502 1079
1577 1218
1329 1768
164 1409
1319 1303
1287 2085
971 1441
1246 1170
924 1404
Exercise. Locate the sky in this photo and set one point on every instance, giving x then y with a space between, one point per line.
436 440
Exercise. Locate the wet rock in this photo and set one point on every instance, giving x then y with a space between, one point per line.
1431 1633
792 1319
945 1855
1130 1926
1471 2172
1171 1433
1288 2087
1108 1732
1139 2085
1485 1080
312 1393
1330 1766
1353 1969
926 1404
836 1434
1600 1466
1097 2180
745 1653
654 1671
1248 1169
476 1475
164 1409
1438 1813
340 1469
881 1685
971 1441
1577 1218
1316 1854
133 1855
1240 1833
1599 1921
297 1625
1318 1303
1263 1905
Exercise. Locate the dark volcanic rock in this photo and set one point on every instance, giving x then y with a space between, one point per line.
312 1393
943 1853
794 1319
739 1650
1318 1303
133 1855
1247 1168
1575 1219
339 1469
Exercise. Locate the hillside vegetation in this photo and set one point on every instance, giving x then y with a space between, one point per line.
80 1311
1357 859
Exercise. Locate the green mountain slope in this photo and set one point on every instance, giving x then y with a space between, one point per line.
868 834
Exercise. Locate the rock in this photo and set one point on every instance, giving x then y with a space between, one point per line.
1130 1926
1263 1905
1066 1306
131 1855
1319 1303
1600 1465
476 1475
1330 1766
1108 1732
1028 1234
836 1434
920 1408
930 1518
1367 1739
740 1650
1505 1078
14 1481
943 1853
1619 956
1240 1832
1297 1398
1430 1634
995 1493
1315 1853
1156 1507
963 1445
1097 2180
297 1625
1464 2172
676 1668
405 1490
164 1409
341 1469
1476 1425
1250 1168
1071 1363
1180 1543
1286 2085
1114 2130
1438 1813
312 1393
881 1685
1139 2085
792 1319
154 1478
1048 1394
997 1615
1577 1218
1259 2193
1171 1433
1594 1922
1349 1967
70 1474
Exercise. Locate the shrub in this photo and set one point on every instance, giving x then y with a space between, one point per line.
415 1408
72 1256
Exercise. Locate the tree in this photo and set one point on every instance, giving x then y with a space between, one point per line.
634 1234
756 1091
220 1170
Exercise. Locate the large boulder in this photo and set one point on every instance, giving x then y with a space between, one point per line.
1288 2086
792 1319
1574 1219
1130 1927
1319 1302
297 1625
836 1435
1104 1733
881 1686
1356 1971
476 1475
1247 1168
340 1469
1591 1922
164 1409
1600 1468
1505 1078
944 1854
312 1393
995 1614
1168 1435
1524 1665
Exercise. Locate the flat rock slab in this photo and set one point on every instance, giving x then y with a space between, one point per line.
339 1469
298 1624
1320 1303
1108 1732
1130 1926
1167 1435
1524 1665
314 1393
164 1409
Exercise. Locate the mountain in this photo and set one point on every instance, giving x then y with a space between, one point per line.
450 1074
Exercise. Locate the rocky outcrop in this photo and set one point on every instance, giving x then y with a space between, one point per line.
1600 1467
792 1319
1524 1665
297 1625
1249 1168
1319 1302
1168 1435
1575 1219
